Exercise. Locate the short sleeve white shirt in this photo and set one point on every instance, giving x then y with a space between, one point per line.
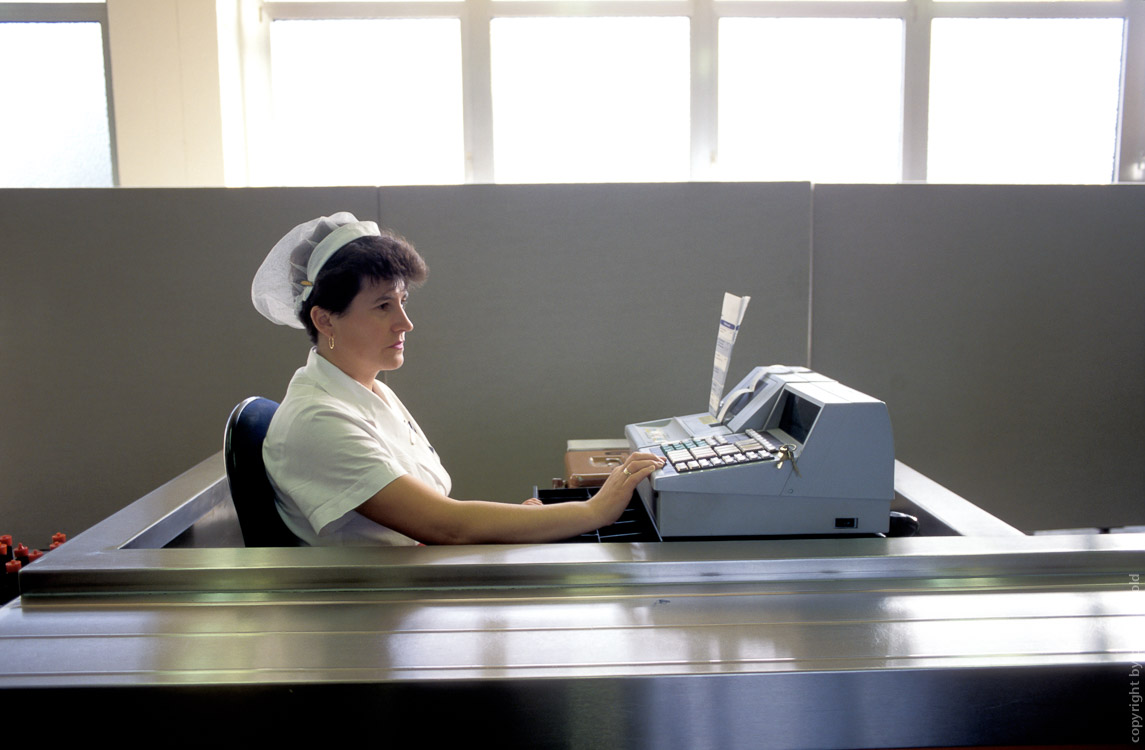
332 445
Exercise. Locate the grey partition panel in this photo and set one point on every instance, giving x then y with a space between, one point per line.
1005 328
563 311
128 335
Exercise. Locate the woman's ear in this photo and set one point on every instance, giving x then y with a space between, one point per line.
321 318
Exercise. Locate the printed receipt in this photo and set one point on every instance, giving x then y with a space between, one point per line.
730 319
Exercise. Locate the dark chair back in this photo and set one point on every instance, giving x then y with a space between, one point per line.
246 474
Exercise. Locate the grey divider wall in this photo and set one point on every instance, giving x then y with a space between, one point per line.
127 335
1005 328
127 332
557 312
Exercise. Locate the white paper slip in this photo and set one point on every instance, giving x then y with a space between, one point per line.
730 319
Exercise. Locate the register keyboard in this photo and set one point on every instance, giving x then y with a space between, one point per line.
695 454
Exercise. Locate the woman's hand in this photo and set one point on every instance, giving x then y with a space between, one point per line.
532 501
613 496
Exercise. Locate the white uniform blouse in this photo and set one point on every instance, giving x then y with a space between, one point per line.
332 445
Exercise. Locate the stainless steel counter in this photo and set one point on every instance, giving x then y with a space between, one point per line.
995 638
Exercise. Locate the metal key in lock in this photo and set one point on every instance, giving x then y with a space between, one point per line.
787 453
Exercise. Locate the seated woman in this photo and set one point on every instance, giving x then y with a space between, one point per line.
348 463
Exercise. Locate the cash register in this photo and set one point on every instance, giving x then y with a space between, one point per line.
788 452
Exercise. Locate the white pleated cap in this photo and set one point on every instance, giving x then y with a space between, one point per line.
289 271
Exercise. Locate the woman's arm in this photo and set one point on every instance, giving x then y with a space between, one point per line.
413 508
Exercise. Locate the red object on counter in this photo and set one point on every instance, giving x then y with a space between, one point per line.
11 587
59 538
34 555
22 552
6 539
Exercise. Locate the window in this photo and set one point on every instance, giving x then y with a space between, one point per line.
55 131
452 91
1024 100
367 102
856 91
590 99
810 99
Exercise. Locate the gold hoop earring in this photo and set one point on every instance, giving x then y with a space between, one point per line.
331 343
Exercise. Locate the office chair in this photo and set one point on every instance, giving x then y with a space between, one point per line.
250 489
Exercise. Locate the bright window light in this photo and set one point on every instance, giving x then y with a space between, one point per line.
54 131
367 102
1024 100
590 99
810 99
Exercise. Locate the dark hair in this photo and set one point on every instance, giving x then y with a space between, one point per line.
389 257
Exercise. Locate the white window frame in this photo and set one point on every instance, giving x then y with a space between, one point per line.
476 15
74 13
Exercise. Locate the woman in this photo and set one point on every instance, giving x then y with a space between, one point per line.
348 463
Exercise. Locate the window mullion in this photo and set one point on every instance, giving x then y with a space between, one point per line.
477 88
811 8
704 86
329 11
258 100
916 90
1131 136
105 32
1025 9
589 8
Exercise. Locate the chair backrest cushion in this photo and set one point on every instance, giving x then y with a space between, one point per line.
246 474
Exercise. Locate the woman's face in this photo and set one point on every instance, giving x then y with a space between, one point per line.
370 335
